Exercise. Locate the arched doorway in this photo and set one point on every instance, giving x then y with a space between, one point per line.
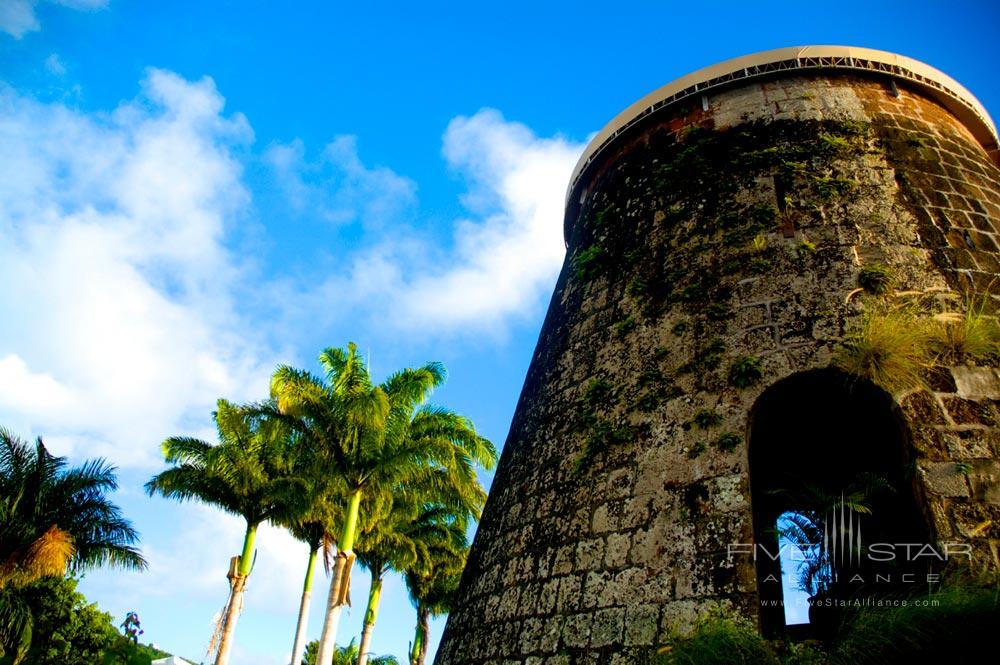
830 466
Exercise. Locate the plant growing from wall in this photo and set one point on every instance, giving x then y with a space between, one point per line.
599 432
706 357
696 450
728 441
746 371
589 263
876 279
625 326
890 348
830 187
654 388
707 418
972 336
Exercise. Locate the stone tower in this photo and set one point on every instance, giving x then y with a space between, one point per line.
742 243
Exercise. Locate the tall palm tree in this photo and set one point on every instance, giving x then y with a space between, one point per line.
249 474
362 430
313 533
432 584
53 519
421 519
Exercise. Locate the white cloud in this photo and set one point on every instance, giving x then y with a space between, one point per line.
337 187
508 255
17 17
123 311
500 262
28 392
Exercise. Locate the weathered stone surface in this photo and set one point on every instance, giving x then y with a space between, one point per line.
977 382
607 627
641 623
984 477
946 479
576 630
625 472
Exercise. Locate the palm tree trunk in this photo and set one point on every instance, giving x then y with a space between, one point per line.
341 578
374 594
418 654
237 587
299 646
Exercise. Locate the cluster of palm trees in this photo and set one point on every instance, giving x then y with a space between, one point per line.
53 519
358 471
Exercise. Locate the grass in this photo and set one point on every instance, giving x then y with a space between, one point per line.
972 336
890 349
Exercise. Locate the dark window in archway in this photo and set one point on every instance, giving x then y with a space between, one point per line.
829 467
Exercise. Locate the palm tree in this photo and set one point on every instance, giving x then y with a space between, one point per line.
823 517
373 440
432 584
249 474
421 518
313 533
53 519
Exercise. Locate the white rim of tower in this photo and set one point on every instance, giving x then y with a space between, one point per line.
932 82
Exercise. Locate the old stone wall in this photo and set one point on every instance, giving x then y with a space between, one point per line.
716 253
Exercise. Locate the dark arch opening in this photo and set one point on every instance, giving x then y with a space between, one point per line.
832 450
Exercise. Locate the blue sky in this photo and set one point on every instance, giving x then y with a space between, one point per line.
193 192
